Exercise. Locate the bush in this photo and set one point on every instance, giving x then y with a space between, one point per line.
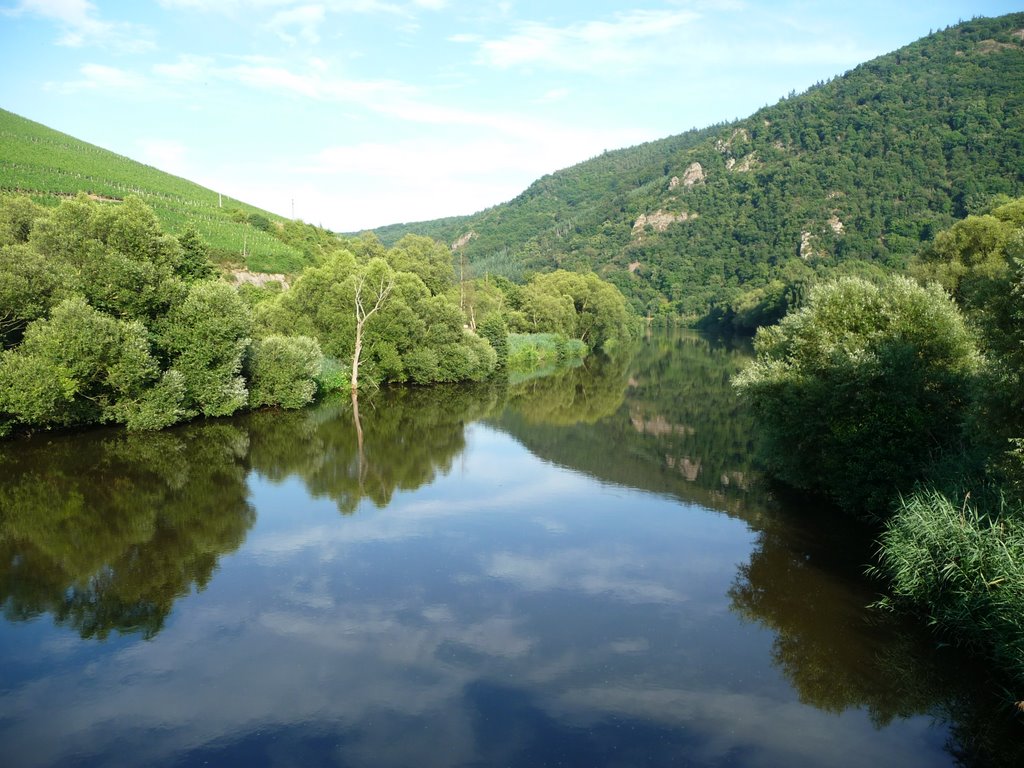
334 376
283 371
493 329
859 392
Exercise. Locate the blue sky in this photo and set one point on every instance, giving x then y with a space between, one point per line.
368 112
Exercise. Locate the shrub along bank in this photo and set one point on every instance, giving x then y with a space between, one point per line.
900 401
104 317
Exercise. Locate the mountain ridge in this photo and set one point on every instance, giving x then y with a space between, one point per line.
850 176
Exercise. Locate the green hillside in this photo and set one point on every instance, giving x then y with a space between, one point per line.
48 165
732 220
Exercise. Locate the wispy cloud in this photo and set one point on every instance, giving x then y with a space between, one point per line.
305 21
249 7
81 25
166 154
622 42
186 69
100 76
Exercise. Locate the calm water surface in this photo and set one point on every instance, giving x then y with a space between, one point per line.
577 570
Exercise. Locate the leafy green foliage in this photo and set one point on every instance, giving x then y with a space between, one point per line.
206 337
415 335
107 318
493 329
583 307
77 367
530 352
283 371
860 390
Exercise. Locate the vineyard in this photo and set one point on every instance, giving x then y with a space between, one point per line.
48 165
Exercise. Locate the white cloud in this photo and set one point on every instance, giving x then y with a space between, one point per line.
316 84
166 154
100 76
81 25
588 572
186 68
248 7
623 43
305 19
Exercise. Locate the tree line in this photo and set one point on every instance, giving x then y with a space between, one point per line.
106 318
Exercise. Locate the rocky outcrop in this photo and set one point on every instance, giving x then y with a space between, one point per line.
725 146
694 174
805 250
746 164
463 241
659 221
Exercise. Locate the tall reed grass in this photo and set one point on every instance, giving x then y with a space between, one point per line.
962 568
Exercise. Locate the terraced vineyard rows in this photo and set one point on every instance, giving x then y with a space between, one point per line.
48 165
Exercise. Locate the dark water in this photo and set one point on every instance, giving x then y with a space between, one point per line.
578 570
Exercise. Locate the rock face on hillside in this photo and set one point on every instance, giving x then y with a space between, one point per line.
259 279
746 164
463 241
694 174
659 221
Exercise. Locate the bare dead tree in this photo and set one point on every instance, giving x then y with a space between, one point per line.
378 294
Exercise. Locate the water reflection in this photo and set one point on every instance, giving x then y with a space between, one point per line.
409 435
804 581
105 531
669 423
482 608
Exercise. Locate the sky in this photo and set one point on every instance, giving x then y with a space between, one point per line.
353 114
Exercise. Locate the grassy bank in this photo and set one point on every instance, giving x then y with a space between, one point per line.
528 352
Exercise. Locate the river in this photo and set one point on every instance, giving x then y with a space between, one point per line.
582 569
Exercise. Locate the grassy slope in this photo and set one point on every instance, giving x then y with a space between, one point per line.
894 150
48 165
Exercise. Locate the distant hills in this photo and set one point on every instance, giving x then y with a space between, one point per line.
48 165
851 176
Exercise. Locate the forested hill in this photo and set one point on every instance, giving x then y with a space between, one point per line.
851 176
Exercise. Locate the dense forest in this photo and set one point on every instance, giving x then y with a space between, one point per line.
734 222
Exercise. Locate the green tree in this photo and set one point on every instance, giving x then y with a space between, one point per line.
581 306
30 285
493 329
371 287
195 256
206 337
282 370
79 366
18 215
426 258
859 391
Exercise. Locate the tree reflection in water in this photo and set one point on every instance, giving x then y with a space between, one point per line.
839 654
105 531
